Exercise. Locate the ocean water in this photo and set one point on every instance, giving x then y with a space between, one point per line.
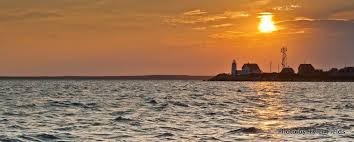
99 110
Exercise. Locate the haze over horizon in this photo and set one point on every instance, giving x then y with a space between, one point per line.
200 37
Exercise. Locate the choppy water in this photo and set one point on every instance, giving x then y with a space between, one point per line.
47 110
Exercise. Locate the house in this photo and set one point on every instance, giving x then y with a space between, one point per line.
347 72
306 69
250 69
333 70
287 71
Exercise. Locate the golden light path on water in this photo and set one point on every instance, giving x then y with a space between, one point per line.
271 117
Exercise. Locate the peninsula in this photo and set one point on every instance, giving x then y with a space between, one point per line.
306 73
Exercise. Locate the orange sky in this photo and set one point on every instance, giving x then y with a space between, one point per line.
139 37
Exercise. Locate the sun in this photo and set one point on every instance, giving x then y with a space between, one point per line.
266 24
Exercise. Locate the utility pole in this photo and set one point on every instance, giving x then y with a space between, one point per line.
278 68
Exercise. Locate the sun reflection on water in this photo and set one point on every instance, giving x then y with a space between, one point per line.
270 112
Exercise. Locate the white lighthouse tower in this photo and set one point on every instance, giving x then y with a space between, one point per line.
234 68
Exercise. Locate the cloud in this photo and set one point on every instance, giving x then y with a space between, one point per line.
321 25
222 25
29 15
236 14
194 12
193 20
304 19
299 27
343 15
287 7
194 17
295 19
228 35
38 14
199 28
259 2
213 26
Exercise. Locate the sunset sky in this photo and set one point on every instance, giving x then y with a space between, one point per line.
189 37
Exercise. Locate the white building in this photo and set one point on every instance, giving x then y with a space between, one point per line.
234 68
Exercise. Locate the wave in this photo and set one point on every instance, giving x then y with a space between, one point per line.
247 130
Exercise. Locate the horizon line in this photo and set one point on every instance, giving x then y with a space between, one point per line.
139 77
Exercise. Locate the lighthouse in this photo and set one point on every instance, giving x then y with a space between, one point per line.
234 68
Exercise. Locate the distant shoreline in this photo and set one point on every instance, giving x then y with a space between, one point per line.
143 77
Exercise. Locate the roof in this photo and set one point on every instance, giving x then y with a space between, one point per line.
306 68
287 71
306 65
252 67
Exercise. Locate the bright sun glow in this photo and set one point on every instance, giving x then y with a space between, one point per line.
266 24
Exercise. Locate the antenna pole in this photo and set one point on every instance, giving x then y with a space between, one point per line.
284 59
